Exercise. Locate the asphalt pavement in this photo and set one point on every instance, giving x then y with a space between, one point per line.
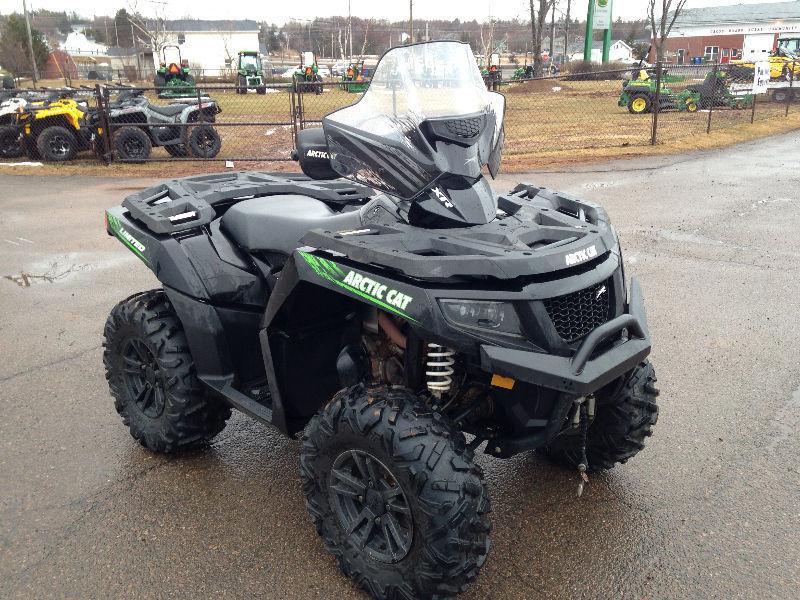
710 508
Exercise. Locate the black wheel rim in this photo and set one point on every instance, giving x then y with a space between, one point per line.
143 378
59 146
133 147
371 506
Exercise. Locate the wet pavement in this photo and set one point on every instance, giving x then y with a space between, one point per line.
710 509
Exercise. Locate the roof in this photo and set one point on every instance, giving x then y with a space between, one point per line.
184 25
738 13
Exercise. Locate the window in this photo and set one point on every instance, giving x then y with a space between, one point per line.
181 38
711 54
681 55
736 53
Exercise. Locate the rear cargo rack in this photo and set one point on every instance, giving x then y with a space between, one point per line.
189 202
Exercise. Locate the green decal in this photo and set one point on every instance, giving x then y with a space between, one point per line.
363 286
126 238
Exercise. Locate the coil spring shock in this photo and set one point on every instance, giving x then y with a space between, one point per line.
439 369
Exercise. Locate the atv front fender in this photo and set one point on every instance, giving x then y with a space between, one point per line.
583 373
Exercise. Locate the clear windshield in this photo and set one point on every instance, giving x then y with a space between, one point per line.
382 140
250 63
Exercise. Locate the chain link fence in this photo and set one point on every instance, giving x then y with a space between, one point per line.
552 115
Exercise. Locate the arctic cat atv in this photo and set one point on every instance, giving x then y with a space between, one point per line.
382 307
250 73
137 125
173 78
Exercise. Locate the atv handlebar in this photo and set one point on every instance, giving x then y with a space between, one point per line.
584 373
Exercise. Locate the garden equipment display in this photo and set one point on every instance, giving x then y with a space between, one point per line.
380 307
307 78
353 78
250 73
57 128
137 125
173 79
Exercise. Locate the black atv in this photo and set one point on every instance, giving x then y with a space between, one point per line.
393 312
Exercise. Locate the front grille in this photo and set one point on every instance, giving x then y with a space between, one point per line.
465 128
576 314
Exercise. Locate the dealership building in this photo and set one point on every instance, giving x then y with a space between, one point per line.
725 33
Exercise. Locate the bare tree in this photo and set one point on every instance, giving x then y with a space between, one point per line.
662 15
487 43
538 24
153 28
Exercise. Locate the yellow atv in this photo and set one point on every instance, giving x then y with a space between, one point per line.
55 129
784 61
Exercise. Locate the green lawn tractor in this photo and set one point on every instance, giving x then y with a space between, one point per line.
715 91
353 78
250 73
173 79
307 78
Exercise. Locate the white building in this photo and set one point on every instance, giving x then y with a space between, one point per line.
210 46
619 51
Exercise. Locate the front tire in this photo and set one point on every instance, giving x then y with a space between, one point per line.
132 144
395 494
57 144
204 142
151 376
626 413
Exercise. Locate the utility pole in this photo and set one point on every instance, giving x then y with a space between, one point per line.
35 72
427 36
552 31
411 21
136 49
566 31
116 33
350 31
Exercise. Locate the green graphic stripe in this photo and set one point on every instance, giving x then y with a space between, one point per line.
114 222
322 267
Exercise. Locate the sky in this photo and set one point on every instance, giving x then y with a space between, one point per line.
275 11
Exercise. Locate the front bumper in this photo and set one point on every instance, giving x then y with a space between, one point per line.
584 372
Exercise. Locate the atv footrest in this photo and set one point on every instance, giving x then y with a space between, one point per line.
238 400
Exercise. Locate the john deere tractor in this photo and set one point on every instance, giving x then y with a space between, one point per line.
307 78
353 78
250 73
173 79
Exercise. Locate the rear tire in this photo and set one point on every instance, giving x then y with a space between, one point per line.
626 413
57 144
151 376
640 104
395 494
132 144
241 84
204 142
10 143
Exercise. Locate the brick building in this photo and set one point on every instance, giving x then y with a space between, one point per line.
725 33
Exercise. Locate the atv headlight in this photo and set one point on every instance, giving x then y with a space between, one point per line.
499 317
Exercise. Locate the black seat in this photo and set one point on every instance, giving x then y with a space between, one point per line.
170 110
277 223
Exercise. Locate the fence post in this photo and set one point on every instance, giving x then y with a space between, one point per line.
293 111
753 111
790 94
711 104
102 98
656 104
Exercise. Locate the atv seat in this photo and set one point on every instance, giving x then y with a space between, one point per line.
170 110
277 223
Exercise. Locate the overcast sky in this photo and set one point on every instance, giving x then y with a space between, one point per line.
276 11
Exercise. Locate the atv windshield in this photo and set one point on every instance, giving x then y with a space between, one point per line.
426 114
